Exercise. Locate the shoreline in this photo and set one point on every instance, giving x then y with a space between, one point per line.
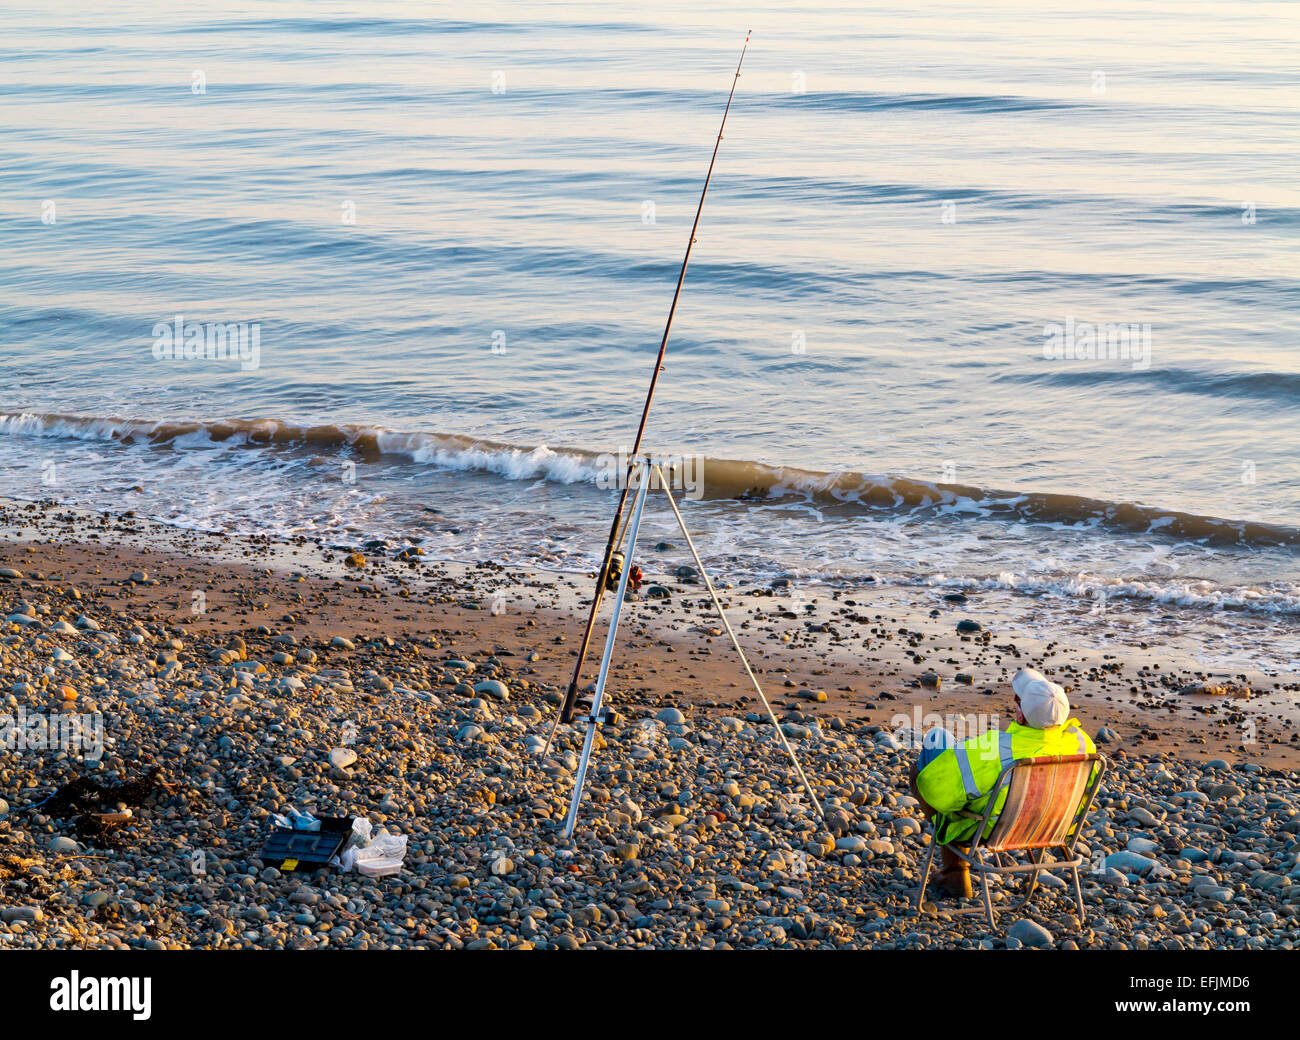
1130 685
291 645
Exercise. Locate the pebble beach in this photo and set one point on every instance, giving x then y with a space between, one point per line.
376 681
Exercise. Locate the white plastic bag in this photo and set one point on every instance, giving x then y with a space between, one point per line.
377 856
383 856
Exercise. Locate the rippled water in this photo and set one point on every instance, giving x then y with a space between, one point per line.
453 223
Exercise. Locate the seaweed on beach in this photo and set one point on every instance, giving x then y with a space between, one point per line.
12 866
87 802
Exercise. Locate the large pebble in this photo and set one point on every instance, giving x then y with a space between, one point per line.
1030 933
493 688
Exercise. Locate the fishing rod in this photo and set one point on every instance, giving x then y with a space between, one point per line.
602 579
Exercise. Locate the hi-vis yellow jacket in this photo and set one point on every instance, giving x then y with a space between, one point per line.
962 777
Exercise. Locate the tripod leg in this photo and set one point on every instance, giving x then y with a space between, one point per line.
616 535
736 643
598 697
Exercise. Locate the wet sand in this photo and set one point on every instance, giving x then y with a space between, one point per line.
867 650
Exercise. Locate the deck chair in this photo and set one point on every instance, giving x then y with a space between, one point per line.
1047 805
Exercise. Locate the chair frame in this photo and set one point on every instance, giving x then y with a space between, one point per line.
975 855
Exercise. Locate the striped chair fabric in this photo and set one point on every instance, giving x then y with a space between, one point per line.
1044 796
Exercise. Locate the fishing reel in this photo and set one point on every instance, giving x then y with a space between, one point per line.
616 564
615 572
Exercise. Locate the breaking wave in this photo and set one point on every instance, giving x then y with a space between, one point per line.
841 492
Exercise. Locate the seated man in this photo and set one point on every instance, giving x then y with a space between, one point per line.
948 778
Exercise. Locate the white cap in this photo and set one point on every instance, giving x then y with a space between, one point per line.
1042 702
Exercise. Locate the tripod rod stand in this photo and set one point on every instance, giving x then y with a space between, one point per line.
642 470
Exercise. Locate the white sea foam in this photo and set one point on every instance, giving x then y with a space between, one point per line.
274 477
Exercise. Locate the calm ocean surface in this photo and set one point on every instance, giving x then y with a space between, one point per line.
455 231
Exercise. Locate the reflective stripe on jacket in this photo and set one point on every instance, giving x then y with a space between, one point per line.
963 777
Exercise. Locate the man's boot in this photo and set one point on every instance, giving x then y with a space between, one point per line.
954 875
